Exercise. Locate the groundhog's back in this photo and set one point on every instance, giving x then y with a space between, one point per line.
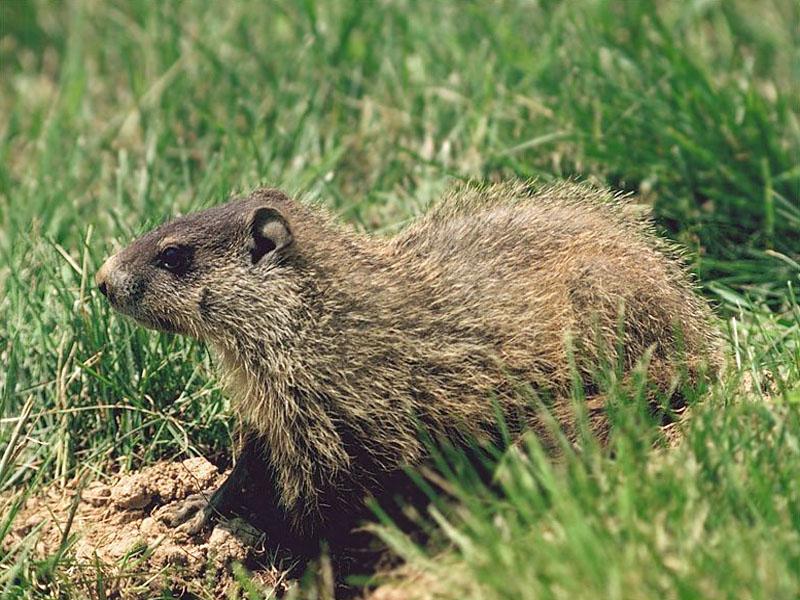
533 269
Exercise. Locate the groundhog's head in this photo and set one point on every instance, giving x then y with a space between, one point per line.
207 274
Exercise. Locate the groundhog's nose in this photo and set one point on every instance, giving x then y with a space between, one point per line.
102 277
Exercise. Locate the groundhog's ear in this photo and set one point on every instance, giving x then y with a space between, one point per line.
270 232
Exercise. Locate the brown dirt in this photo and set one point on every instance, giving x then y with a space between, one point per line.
116 531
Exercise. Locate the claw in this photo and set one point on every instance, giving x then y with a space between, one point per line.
198 522
189 516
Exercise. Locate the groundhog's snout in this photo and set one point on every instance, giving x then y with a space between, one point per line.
105 277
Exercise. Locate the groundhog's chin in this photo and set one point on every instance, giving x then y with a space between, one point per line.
161 325
155 322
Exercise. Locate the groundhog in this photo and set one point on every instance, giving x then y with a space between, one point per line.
338 348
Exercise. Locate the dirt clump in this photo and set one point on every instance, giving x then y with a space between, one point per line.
115 529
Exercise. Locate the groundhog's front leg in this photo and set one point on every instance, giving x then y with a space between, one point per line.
250 492
198 510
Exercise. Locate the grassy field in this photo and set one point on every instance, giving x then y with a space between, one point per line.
115 115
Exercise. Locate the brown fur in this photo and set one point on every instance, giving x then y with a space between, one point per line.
339 345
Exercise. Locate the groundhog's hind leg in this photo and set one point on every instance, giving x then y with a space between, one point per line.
630 315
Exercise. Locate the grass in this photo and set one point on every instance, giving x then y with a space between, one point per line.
115 115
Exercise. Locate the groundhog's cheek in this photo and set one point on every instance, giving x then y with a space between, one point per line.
205 303
183 313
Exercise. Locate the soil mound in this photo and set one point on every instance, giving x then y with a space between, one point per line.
112 536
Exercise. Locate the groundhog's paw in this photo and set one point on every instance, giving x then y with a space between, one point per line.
191 515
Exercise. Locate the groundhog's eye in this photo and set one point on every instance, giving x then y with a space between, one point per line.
175 259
